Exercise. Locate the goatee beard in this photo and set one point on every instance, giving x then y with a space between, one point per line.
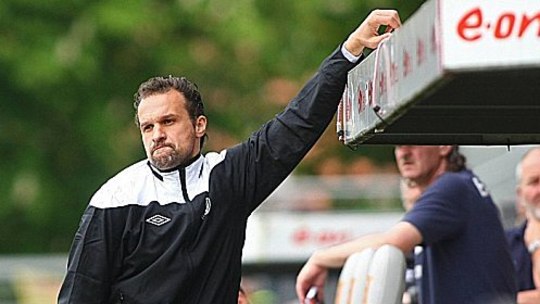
168 161
533 210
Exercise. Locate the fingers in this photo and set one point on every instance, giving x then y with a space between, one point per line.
303 293
301 290
390 18
311 275
304 281
367 35
376 40
320 294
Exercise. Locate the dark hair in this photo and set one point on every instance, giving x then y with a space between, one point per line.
456 160
160 85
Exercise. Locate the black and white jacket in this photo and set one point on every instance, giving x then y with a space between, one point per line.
177 236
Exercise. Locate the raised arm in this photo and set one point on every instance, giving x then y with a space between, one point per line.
278 147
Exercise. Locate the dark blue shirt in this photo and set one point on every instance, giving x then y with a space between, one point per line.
521 257
466 258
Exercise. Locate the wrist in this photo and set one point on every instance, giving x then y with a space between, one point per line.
354 46
316 258
324 259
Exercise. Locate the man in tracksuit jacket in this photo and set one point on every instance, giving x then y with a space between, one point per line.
170 229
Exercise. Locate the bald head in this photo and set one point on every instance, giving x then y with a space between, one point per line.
528 183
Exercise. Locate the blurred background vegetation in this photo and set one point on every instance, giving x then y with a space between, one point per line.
68 71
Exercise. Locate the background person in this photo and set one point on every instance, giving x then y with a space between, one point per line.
465 257
524 240
409 195
243 296
171 228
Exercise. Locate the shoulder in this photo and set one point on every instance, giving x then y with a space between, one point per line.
119 187
236 157
211 159
130 173
460 178
448 184
451 189
464 180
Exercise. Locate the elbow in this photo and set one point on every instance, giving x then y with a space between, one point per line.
403 236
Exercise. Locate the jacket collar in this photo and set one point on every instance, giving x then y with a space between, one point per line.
187 166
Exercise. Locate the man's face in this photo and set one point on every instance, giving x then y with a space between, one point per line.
420 164
528 189
169 135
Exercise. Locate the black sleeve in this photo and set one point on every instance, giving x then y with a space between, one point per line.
89 268
272 152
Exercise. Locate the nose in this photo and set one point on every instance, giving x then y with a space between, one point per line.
537 188
400 151
158 134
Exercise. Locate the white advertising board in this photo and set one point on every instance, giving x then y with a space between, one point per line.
396 72
287 237
441 40
490 34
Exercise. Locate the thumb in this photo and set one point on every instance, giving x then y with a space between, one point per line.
378 39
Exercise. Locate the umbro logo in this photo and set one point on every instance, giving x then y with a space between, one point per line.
158 220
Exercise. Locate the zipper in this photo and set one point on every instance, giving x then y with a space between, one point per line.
182 173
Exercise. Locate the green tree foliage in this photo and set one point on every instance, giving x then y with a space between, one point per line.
68 71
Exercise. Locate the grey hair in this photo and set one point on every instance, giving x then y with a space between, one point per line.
519 166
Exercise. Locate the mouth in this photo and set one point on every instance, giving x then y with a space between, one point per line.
158 148
407 163
406 166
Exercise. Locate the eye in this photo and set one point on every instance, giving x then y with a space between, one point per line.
146 128
533 182
168 122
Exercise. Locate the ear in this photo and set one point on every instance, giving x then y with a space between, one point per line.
200 126
518 195
445 150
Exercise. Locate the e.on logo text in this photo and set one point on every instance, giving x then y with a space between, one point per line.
472 25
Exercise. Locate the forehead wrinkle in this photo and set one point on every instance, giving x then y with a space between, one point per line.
158 106
158 118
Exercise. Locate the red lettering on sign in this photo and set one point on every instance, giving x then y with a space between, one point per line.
393 73
360 100
382 83
304 236
407 67
433 40
504 26
471 21
472 27
300 236
420 52
526 21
